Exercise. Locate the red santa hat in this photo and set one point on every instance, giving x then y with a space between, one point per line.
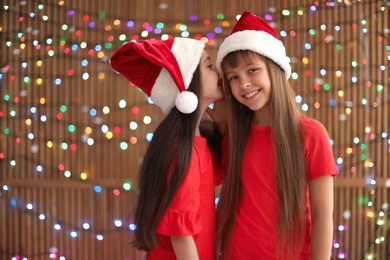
254 34
162 69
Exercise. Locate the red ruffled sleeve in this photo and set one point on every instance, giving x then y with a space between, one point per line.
182 218
175 223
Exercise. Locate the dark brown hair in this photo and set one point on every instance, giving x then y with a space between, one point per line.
289 159
164 166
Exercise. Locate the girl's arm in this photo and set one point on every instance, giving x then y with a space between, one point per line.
321 207
185 248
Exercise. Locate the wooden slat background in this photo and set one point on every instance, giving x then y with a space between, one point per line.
37 150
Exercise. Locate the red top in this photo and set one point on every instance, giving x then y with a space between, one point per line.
192 212
256 224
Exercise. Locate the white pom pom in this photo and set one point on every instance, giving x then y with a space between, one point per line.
186 102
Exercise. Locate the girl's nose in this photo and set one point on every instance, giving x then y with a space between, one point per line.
246 84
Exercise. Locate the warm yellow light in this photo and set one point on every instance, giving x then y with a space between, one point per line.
42 100
305 60
109 135
49 144
28 122
340 93
117 22
83 176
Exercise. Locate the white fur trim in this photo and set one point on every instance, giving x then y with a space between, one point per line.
186 102
164 91
256 41
188 53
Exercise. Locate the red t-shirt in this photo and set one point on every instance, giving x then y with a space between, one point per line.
256 224
192 212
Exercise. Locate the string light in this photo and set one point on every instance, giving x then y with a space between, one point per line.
102 50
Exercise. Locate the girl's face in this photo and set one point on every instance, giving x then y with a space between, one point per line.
250 84
211 83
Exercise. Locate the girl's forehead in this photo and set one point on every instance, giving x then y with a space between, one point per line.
237 58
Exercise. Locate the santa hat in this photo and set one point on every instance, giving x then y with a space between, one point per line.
162 69
254 34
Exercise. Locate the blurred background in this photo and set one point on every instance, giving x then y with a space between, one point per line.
73 131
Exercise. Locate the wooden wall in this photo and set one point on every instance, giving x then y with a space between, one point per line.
69 150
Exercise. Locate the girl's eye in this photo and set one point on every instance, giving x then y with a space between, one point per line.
253 70
210 66
232 78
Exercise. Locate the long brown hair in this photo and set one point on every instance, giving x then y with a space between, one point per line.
169 152
289 159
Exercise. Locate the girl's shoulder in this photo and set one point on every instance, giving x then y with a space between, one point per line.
310 125
314 133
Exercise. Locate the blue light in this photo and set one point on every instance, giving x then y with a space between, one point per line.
130 24
132 227
217 30
97 189
93 112
149 137
298 99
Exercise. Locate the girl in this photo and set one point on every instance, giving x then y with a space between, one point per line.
175 213
276 200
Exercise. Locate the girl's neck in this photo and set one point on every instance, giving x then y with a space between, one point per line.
262 117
